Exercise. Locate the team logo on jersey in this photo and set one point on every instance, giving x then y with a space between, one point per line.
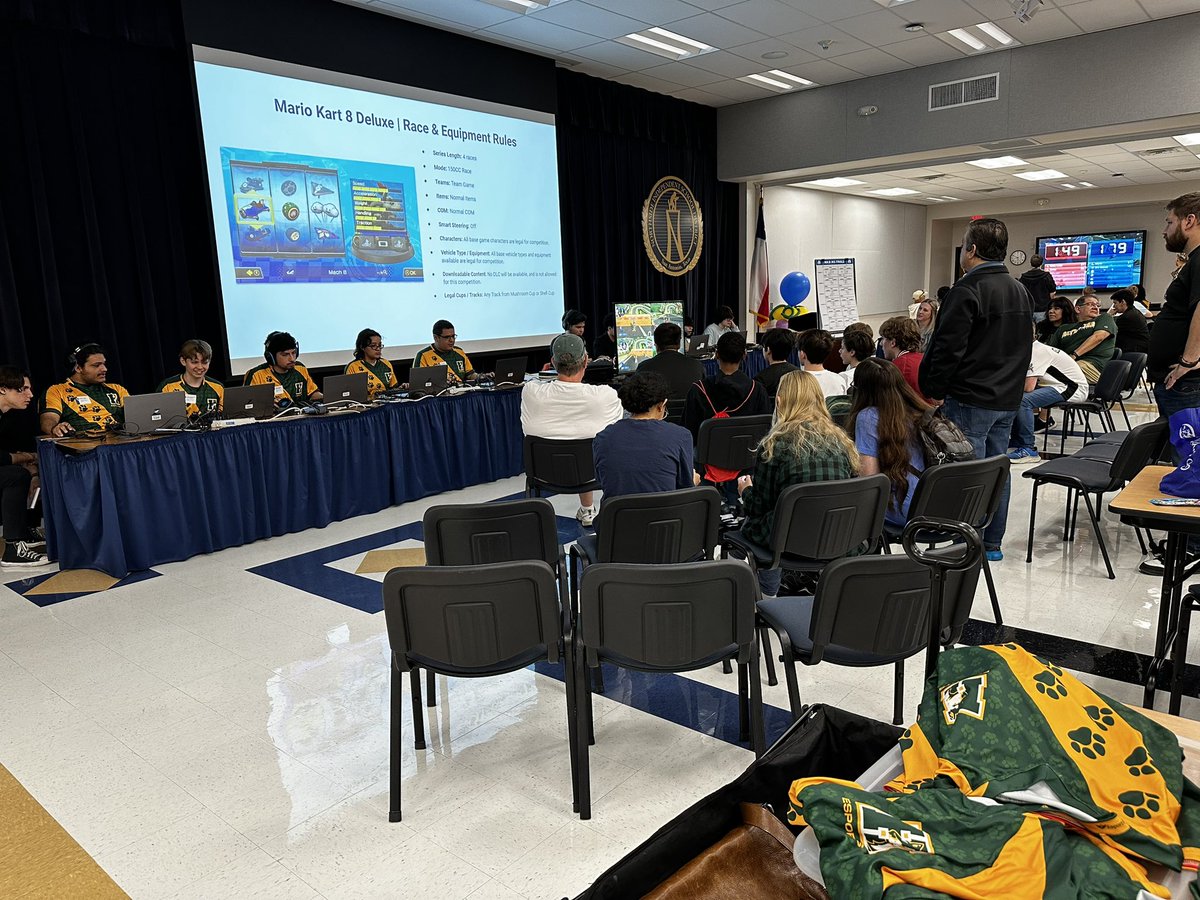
112 398
878 831
964 698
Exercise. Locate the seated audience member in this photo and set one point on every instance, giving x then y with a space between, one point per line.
1091 340
856 347
722 324
688 328
605 346
883 423
900 340
444 352
777 346
566 408
368 358
1061 311
926 319
87 400
23 546
202 395
1133 334
815 345
730 390
284 372
803 445
643 454
1140 303
680 371
1051 371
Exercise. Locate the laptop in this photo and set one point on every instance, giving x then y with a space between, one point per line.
699 342
345 387
147 413
511 372
253 401
424 381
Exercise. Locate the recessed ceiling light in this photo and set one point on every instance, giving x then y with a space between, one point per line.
995 31
1040 175
893 192
835 182
934 199
775 54
979 38
520 6
949 198
1086 184
892 2
665 43
914 27
1070 187
965 37
777 80
1189 140
996 162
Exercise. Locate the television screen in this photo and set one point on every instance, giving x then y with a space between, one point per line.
635 330
1106 260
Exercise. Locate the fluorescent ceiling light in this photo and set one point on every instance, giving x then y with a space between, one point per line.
767 80
965 37
776 73
996 162
1070 187
892 2
678 38
949 198
1189 140
665 43
519 6
1041 175
893 192
995 31
1086 184
774 79
835 182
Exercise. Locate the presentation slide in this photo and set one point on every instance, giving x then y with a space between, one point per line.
1106 261
341 203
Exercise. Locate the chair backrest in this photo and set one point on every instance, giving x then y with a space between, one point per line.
675 410
665 527
472 620
475 534
565 466
730 443
1137 365
1141 447
671 618
1112 380
822 520
880 605
962 491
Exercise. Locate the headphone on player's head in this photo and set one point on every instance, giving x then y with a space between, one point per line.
79 356
572 317
277 342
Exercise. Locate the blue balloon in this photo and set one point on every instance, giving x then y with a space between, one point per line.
794 287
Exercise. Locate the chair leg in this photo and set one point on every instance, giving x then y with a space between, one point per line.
743 706
898 698
1125 413
1099 535
394 746
583 790
1141 541
758 737
991 585
726 667
572 720
789 673
598 680
764 639
418 713
1074 515
1032 517
430 689
1067 516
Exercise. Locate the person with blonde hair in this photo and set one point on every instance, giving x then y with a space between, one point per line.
803 445
926 318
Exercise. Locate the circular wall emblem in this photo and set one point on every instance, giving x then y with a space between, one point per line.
672 227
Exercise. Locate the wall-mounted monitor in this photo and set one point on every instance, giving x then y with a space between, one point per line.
635 330
1105 260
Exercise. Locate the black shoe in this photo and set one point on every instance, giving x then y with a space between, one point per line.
35 538
19 555
1039 425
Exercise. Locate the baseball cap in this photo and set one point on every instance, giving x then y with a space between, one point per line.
568 349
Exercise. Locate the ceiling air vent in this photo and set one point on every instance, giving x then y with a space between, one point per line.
1185 171
931 177
1163 151
987 190
951 94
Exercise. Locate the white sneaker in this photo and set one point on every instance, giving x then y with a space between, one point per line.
585 515
20 555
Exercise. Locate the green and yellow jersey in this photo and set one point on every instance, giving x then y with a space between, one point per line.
380 377
295 384
86 407
455 360
208 398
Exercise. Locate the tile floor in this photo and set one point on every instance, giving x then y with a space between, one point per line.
221 730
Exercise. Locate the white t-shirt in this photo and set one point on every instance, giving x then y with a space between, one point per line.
565 410
1046 357
832 383
848 378
714 332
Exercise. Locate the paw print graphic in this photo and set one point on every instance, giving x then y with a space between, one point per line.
1047 683
1139 804
1087 742
1139 763
906 740
1102 716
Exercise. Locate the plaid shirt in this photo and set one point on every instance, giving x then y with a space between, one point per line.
784 469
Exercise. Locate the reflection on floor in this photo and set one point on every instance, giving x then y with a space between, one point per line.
219 728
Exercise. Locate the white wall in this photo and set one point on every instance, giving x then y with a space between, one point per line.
886 239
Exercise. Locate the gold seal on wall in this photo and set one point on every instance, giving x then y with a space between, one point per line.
672 227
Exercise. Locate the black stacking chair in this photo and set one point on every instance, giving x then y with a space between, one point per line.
1137 368
558 467
968 492
730 443
477 534
1087 477
675 410
668 618
470 622
875 610
815 523
1105 393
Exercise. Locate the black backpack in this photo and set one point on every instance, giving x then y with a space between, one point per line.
942 441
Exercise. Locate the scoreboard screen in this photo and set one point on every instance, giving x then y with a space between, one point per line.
1104 260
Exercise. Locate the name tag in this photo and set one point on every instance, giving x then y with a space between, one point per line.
189 399
83 401
279 390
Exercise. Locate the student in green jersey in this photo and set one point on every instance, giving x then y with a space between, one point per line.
282 370
87 400
203 395
368 357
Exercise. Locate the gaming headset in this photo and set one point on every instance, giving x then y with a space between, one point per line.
572 317
78 357
277 342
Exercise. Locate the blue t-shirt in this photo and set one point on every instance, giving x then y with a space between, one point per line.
641 456
866 440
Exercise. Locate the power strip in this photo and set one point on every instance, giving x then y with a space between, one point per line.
230 423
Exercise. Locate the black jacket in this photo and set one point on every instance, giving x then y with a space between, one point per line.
1133 334
979 352
681 371
1040 285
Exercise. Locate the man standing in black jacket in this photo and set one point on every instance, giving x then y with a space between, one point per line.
978 356
1040 285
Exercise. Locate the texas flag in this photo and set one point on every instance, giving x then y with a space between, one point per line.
760 282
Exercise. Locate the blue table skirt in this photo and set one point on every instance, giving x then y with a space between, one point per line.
127 507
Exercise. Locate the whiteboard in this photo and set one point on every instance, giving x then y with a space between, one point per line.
837 298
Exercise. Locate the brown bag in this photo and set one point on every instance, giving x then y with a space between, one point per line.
752 862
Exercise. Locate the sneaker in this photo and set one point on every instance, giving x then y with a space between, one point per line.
35 538
585 515
994 555
1022 456
1151 565
1039 425
20 555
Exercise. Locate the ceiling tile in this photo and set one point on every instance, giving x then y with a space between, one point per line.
823 71
544 34
613 54
697 95
709 5
1095 15
941 14
809 38
683 74
755 51
834 10
714 30
769 16
739 90
924 51
641 80
591 19
1047 25
465 13
727 64
1161 9
590 67
877 28
871 62
652 11
1152 144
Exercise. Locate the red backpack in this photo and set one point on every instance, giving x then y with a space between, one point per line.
712 473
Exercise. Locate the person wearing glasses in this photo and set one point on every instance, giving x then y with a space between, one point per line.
24 547
368 357
442 352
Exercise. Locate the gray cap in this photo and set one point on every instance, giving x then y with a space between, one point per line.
568 349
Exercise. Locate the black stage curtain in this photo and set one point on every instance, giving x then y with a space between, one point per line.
104 232
614 143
